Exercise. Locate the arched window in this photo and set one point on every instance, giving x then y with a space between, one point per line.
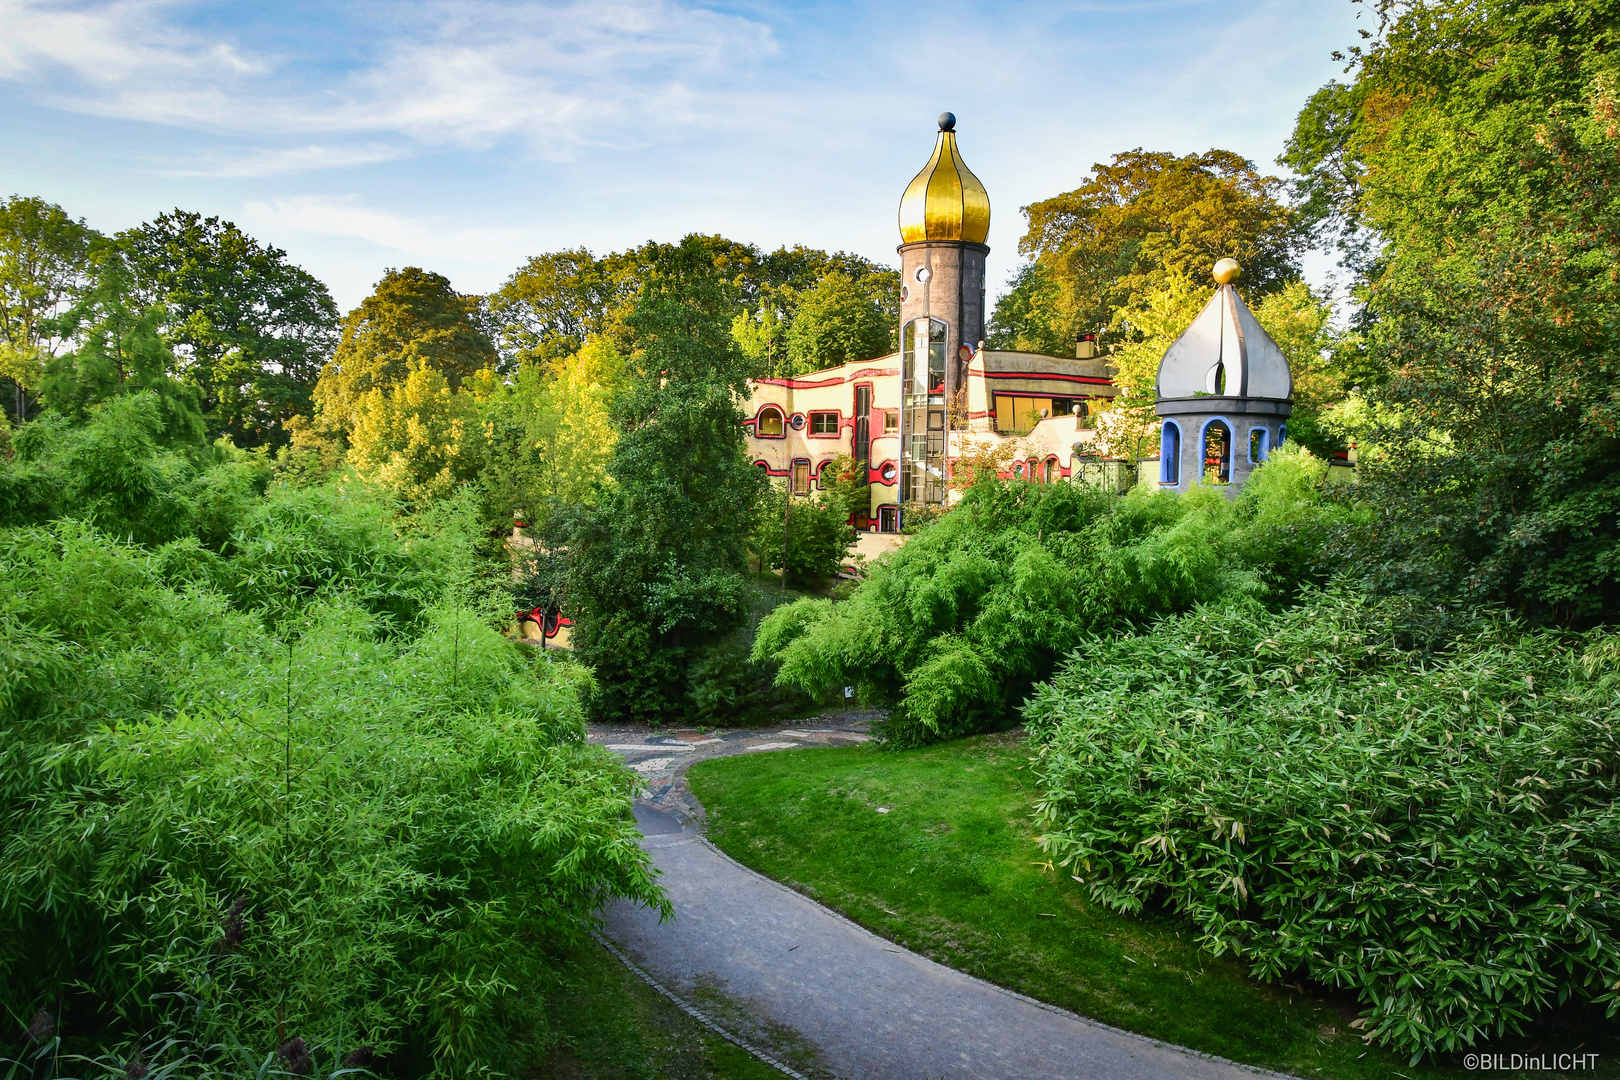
1170 453
1051 471
770 423
1018 469
1217 453
1259 445
1282 433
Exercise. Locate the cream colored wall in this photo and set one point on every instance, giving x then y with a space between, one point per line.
801 395
833 390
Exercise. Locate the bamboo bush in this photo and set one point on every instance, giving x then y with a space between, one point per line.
1387 796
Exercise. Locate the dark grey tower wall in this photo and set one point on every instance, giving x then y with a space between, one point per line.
1241 416
954 291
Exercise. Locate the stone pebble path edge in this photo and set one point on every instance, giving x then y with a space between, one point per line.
810 1015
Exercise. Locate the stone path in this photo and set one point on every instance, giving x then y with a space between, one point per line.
662 756
819 992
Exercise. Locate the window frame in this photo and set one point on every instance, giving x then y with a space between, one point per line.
821 415
1170 454
781 421
794 474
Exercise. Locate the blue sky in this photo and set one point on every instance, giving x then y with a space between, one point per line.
465 136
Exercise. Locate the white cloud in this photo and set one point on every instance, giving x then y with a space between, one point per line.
282 161
560 79
419 236
108 44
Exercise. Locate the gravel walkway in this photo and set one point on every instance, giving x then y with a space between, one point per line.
819 992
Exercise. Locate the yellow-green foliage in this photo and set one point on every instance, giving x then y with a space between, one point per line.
420 438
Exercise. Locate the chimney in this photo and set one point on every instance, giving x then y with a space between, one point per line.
1085 346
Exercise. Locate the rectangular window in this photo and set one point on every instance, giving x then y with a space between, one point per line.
888 519
863 425
824 423
801 478
922 362
891 421
1004 414
1019 415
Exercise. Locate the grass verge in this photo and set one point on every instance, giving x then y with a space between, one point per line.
933 848
613 1026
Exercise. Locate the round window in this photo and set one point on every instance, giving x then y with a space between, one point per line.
923 273
905 292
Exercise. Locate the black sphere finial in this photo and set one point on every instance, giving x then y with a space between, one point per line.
947 121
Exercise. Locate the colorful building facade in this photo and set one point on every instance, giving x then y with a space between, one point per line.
910 418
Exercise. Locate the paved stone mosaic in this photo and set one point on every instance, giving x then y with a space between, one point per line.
662 755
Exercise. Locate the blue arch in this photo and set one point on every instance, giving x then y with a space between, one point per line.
1170 453
1265 444
1231 450
1282 434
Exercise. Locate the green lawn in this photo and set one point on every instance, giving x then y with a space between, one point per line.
952 872
616 1027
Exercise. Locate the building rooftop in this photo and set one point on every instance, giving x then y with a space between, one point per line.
945 201
1225 351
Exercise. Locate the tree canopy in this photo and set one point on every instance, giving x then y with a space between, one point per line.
1136 221
557 300
837 321
249 330
44 266
1470 169
412 317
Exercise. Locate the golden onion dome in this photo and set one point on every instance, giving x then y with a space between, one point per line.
945 201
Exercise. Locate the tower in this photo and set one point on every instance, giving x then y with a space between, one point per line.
944 223
1224 392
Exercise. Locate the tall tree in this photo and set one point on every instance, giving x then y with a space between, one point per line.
555 301
1135 222
1476 155
413 316
835 322
551 434
44 268
250 330
118 350
659 567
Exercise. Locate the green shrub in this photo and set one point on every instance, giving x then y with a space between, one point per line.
360 836
300 545
952 630
118 472
810 541
1413 803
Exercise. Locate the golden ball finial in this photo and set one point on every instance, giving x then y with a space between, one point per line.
1227 271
